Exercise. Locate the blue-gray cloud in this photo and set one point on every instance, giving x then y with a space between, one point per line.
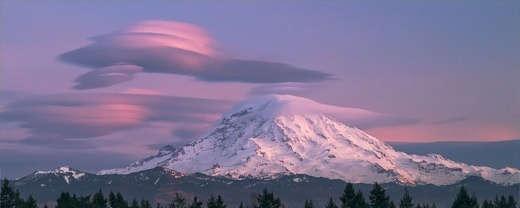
450 120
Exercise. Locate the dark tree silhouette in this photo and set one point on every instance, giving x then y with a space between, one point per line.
378 197
308 204
331 204
348 196
463 200
406 200
267 200
216 202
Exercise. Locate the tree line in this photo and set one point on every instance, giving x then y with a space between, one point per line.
350 198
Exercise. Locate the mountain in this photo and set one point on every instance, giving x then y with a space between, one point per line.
161 184
493 154
271 136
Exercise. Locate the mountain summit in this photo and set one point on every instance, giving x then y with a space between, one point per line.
269 136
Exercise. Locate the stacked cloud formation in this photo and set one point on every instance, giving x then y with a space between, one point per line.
173 48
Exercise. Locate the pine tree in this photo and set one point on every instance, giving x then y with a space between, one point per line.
178 201
241 205
7 195
308 204
267 200
98 200
134 204
84 202
359 201
30 203
331 204
473 201
216 202
112 200
121 202
406 200
501 202
145 204
463 200
64 201
487 204
511 202
392 205
347 198
195 203
18 201
378 197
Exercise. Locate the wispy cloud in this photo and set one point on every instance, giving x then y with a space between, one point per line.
450 120
65 118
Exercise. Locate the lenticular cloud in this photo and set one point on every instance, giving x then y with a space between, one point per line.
174 48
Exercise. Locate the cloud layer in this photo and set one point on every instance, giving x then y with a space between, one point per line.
174 48
60 118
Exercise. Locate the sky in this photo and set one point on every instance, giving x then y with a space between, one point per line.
85 80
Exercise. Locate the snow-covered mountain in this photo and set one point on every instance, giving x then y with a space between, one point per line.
275 135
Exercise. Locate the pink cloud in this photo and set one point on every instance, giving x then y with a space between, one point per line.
55 118
176 48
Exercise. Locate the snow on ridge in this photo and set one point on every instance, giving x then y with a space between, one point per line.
269 136
64 171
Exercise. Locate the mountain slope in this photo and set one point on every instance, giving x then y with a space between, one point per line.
280 134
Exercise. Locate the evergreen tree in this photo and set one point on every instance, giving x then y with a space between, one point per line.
308 204
7 195
463 200
473 201
178 202
18 201
112 200
98 200
195 203
378 197
406 200
84 202
134 204
331 204
64 201
241 205
121 202
511 202
30 203
347 198
501 202
487 204
216 202
359 201
145 204
392 205
267 200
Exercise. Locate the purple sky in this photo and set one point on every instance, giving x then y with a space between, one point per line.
93 79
